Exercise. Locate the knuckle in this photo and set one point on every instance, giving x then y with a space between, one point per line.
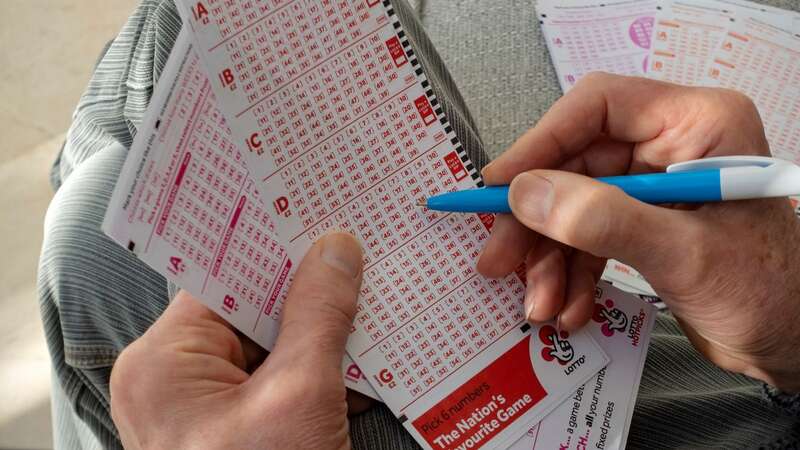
332 298
589 227
338 308
593 78
741 100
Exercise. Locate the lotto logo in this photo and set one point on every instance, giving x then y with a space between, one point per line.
611 318
396 51
556 345
386 378
176 265
227 79
200 13
229 304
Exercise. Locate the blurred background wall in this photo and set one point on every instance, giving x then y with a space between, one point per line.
47 51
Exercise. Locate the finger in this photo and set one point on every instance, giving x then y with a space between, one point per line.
603 157
628 109
583 272
319 309
600 219
191 327
357 402
254 354
506 248
546 278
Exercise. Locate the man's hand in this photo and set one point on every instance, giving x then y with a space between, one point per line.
730 272
184 383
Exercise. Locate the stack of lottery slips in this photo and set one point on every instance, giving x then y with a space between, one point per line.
276 121
735 44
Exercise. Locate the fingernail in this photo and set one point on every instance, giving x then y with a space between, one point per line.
485 168
531 197
341 251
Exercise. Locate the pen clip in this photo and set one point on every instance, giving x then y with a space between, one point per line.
722 162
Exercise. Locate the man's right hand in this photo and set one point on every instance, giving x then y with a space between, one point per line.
730 272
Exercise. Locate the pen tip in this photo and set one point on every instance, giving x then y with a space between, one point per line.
422 204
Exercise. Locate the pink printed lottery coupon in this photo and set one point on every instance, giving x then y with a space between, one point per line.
342 130
186 205
593 35
685 36
760 57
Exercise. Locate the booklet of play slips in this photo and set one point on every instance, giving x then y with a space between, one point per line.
598 414
185 204
341 130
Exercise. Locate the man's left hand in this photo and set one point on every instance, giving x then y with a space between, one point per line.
185 384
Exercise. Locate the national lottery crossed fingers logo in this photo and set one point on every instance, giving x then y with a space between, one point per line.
556 346
613 320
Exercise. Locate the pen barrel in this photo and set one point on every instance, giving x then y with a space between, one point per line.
678 187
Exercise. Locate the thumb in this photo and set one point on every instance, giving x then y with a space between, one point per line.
598 218
319 310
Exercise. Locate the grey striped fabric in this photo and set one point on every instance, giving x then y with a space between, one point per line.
96 298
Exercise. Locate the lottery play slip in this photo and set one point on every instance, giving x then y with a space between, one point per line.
735 44
186 205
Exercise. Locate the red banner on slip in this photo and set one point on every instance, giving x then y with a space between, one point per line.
486 404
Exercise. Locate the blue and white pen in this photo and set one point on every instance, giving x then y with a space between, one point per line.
698 181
